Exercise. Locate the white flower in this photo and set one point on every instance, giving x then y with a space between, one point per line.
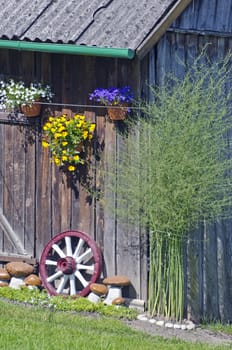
13 94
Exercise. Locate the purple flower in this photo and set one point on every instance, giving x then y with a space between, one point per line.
112 96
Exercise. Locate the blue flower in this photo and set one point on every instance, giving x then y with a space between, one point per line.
112 95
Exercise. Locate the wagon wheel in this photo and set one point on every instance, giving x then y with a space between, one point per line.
69 263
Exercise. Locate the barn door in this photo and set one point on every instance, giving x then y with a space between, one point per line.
17 185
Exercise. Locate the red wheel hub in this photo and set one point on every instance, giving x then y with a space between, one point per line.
67 265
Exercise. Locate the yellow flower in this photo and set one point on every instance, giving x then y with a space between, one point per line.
64 143
47 126
64 158
76 157
45 144
51 119
85 134
64 133
79 125
71 168
57 135
92 127
53 130
57 161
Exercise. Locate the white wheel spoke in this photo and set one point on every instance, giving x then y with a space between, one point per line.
62 284
72 285
85 267
85 256
50 262
81 278
54 276
68 246
78 248
58 250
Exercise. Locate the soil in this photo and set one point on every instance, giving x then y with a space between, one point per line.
199 334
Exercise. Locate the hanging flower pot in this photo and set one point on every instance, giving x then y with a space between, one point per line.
32 110
118 113
67 139
117 100
15 95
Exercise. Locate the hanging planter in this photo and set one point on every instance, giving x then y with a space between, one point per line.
118 113
15 96
32 110
67 138
117 101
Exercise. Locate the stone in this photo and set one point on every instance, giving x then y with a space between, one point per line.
160 323
169 325
118 301
99 289
94 298
115 284
4 275
19 269
152 321
117 281
177 326
142 318
16 282
32 287
190 325
33 280
4 284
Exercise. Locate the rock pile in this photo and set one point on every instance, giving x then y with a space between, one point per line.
17 274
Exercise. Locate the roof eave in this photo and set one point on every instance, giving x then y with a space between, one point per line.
71 49
158 31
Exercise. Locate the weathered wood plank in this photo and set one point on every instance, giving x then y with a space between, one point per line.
110 232
31 136
195 275
1 178
19 183
8 178
4 258
211 288
99 202
43 199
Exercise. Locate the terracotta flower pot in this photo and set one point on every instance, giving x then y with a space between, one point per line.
32 110
117 113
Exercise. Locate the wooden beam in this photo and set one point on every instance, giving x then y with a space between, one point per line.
4 258
161 27
11 235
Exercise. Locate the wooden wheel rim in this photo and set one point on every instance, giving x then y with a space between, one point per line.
69 263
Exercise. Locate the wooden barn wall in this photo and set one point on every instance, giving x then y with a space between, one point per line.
207 16
209 251
36 198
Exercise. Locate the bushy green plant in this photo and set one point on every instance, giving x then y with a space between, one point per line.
175 171
60 303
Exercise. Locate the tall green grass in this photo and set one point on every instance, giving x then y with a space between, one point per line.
174 171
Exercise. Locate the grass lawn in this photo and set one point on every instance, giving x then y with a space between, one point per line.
33 328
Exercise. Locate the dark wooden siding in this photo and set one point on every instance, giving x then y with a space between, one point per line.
40 201
209 250
207 15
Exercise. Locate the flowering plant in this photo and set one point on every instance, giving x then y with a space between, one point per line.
13 94
112 96
66 137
